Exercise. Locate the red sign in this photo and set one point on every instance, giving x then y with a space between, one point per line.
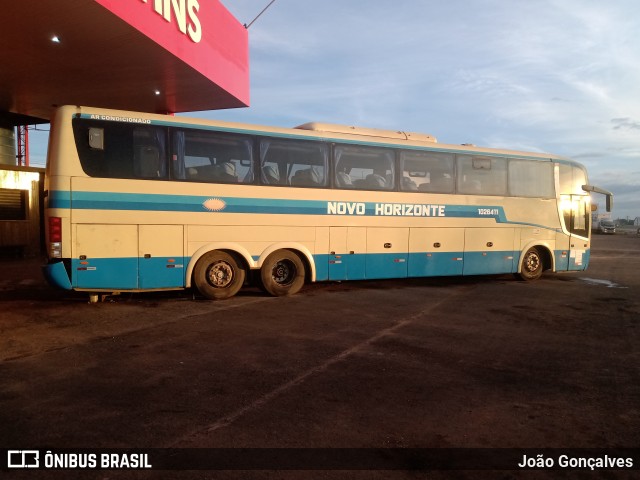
201 33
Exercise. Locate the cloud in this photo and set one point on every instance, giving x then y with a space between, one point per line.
620 123
555 76
590 155
625 186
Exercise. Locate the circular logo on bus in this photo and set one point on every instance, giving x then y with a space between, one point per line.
214 204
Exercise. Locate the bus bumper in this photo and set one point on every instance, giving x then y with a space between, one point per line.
57 275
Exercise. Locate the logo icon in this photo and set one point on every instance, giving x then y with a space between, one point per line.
23 459
214 204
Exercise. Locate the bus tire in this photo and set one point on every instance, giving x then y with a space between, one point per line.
532 265
218 275
282 273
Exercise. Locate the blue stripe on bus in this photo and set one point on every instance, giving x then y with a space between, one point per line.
105 273
486 263
567 262
133 273
59 199
160 272
57 276
82 200
436 264
128 273
183 203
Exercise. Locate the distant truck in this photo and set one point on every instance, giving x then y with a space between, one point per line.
606 226
601 222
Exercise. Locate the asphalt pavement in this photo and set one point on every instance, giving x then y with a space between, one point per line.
446 363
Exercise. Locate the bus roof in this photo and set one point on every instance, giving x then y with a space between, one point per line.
367 132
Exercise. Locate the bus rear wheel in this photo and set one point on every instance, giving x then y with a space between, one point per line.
282 273
532 265
218 275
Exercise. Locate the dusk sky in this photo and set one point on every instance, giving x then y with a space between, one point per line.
558 76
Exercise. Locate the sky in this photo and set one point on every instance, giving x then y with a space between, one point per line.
558 76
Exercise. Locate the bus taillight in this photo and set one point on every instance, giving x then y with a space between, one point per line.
55 237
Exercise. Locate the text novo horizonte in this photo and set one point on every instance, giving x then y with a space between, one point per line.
185 13
386 209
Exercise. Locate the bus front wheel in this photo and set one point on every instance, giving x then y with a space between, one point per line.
532 265
218 275
282 273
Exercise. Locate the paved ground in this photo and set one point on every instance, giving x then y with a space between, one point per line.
486 362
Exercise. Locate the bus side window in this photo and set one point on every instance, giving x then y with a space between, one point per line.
105 149
482 175
529 178
426 172
202 156
90 144
364 168
293 162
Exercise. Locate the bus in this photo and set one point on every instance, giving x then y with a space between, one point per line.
138 202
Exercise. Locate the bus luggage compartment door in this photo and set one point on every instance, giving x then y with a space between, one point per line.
489 251
161 256
435 252
105 257
387 252
347 253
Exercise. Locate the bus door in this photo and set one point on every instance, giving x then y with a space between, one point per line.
577 220
387 252
347 249
161 256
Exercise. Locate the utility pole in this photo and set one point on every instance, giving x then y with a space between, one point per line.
22 154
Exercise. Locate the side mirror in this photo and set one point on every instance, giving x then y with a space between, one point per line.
608 194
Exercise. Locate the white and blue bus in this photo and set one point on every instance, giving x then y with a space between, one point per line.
138 202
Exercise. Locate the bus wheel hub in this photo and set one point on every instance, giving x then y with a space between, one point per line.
220 275
282 273
533 262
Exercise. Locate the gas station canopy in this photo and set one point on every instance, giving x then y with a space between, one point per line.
159 56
